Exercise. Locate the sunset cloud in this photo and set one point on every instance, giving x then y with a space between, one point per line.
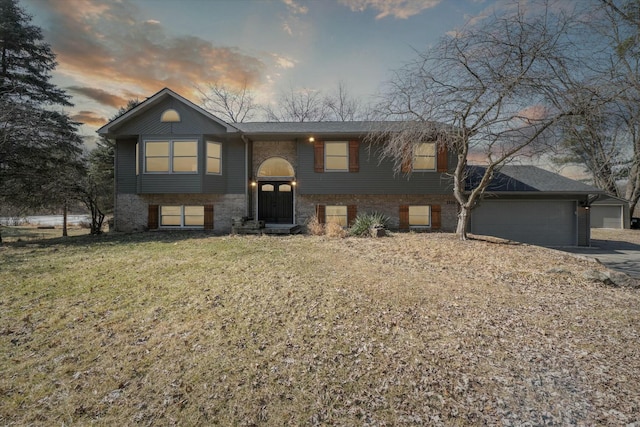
110 44
400 9
101 96
89 118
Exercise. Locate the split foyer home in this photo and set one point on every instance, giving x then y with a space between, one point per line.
177 166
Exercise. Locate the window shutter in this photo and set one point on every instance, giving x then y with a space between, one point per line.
407 160
354 156
435 217
208 217
321 214
442 159
352 211
152 222
318 156
404 217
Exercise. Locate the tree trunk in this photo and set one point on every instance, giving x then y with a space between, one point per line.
64 220
463 222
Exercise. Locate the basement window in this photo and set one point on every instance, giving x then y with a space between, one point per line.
182 216
419 216
337 214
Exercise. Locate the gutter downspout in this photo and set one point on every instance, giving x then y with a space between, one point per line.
115 184
247 194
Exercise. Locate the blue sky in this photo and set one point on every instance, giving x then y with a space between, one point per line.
110 51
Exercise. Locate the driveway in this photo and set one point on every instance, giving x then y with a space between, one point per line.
618 255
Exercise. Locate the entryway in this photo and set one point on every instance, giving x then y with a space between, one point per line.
275 202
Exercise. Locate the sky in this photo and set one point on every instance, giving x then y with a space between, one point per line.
109 51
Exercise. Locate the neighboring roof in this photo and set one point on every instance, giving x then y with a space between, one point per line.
527 179
153 100
608 199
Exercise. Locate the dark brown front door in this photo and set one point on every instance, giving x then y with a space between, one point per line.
275 202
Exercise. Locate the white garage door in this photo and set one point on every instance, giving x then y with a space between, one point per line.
606 216
543 222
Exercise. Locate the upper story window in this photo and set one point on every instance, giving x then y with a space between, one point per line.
177 156
336 156
424 156
170 116
214 155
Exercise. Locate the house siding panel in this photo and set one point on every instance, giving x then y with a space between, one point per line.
125 177
170 183
149 122
374 177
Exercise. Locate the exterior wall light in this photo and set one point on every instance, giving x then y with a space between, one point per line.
311 139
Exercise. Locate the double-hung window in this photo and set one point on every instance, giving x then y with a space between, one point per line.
214 154
173 156
337 214
182 216
420 216
424 156
336 156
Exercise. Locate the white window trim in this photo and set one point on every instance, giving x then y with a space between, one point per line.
346 169
435 160
182 225
171 142
207 158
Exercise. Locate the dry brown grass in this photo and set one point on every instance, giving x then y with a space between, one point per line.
410 329
314 227
333 229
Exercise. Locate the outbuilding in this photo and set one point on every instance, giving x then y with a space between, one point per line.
609 212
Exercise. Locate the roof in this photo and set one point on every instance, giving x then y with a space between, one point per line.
527 179
609 199
153 100
331 129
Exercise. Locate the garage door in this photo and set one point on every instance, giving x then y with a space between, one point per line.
544 222
606 216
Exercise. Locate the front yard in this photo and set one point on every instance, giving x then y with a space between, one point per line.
163 328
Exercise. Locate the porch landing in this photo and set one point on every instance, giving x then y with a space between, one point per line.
247 226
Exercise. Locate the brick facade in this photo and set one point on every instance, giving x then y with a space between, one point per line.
389 205
132 209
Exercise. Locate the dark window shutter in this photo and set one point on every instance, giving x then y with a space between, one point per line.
352 211
435 217
404 217
152 222
354 156
407 160
208 217
321 213
318 156
442 159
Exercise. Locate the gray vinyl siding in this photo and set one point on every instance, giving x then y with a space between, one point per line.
125 175
375 177
170 183
232 180
191 122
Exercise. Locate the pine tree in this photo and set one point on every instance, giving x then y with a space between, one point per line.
38 143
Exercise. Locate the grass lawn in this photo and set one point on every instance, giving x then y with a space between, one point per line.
190 329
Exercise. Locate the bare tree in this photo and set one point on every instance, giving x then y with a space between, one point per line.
299 105
494 89
232 104
343 106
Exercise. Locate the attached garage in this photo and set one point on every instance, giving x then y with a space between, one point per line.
610 212
538 222
531 205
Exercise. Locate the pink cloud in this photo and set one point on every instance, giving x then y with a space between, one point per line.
106 47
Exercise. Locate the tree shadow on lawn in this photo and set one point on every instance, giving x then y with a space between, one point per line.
113 238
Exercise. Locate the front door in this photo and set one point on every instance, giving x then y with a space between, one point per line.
275 202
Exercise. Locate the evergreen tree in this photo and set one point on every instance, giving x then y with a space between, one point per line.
38 144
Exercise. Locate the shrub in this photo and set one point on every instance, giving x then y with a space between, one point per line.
333 229
364 222
314 226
